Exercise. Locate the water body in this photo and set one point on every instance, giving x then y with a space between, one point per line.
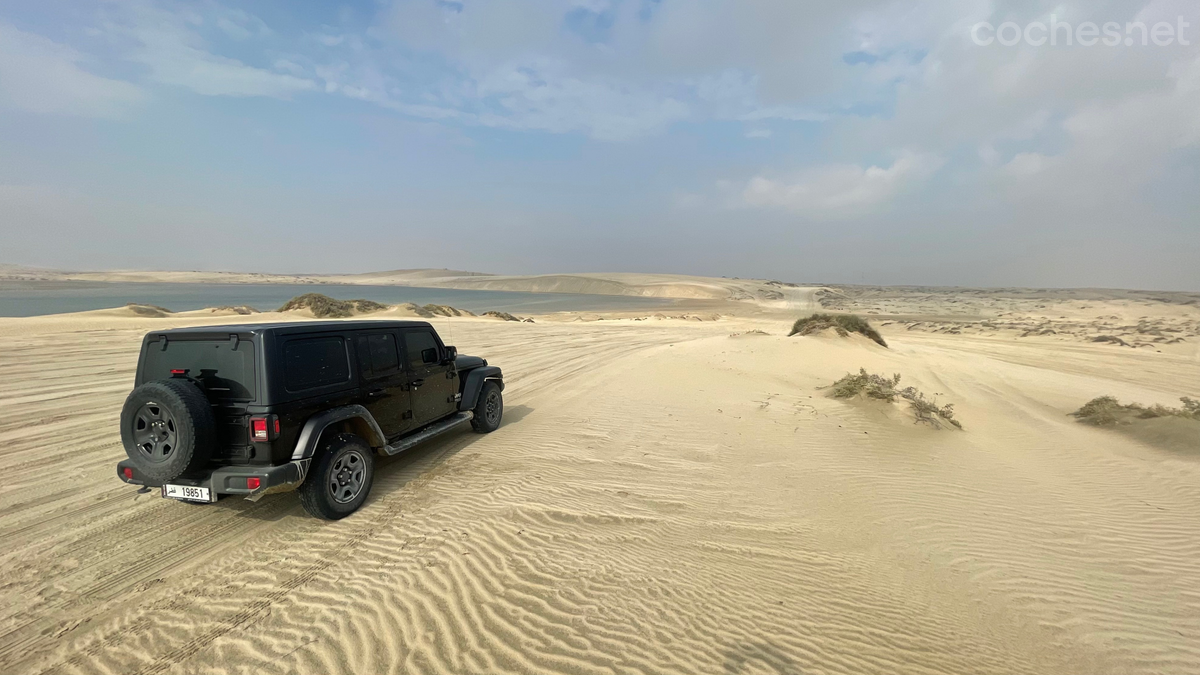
59 297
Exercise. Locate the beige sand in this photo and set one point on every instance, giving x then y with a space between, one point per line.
663 498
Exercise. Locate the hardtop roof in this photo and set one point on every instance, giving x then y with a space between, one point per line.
293 327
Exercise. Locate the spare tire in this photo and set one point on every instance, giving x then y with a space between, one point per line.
167 428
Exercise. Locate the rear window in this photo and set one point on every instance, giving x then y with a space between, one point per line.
315 362
226 368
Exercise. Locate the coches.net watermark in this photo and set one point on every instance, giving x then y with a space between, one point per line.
1086 34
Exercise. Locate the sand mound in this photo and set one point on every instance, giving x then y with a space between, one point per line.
842 324
1176 429
138 309
132 309
445 310
428 311
864 385
231 310
505 316
325 307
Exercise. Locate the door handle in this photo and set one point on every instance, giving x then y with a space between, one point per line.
416 383
376 393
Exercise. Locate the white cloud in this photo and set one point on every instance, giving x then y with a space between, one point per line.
238 24
1026 164
174 53
543 97
841 190
39 75
513 64
213 75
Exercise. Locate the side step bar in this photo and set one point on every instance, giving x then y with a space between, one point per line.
436 429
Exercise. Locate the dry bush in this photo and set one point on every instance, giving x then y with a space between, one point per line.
147 310
325 307
244 310
844 324
442 310
886 389
867 384
1107 410
1191 406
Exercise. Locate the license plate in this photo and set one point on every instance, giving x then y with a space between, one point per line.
192 494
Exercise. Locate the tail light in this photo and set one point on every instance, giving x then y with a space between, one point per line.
253 482
264 428
258 429
128 473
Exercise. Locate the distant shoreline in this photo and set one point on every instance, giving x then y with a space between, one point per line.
23 298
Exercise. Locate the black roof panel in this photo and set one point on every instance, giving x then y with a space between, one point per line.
292 327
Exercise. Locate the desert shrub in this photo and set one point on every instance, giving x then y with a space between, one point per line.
147 310
1191 407
887 389
867 384
1100 411
1107 410
442 310
928 411
325 307
844 324
1158 410
365 306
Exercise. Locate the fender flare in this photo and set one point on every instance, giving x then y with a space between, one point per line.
306 444
473 382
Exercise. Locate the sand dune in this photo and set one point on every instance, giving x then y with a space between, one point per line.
663 498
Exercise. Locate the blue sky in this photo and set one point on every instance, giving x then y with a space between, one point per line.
850 142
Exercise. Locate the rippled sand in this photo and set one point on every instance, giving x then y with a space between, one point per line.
663 498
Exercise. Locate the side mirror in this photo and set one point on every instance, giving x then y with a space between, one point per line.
451 353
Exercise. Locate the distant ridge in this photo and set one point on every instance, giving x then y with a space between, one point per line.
773 294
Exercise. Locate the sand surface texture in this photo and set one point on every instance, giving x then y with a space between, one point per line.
664 497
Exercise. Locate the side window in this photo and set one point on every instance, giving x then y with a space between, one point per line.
385 359
315 362
363 349
422 348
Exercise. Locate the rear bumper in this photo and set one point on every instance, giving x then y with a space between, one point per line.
230 480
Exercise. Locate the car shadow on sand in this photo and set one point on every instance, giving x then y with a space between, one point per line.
391 473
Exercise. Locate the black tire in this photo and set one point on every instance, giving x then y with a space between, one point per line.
489 409
167 429
340 478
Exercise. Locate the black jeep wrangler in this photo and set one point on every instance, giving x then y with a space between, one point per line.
261 408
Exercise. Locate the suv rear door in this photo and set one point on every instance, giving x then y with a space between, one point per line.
384 382
433 382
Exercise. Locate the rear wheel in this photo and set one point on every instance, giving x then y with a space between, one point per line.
488 409
340 479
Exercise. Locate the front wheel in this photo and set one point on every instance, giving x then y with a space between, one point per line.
488 409
340 479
